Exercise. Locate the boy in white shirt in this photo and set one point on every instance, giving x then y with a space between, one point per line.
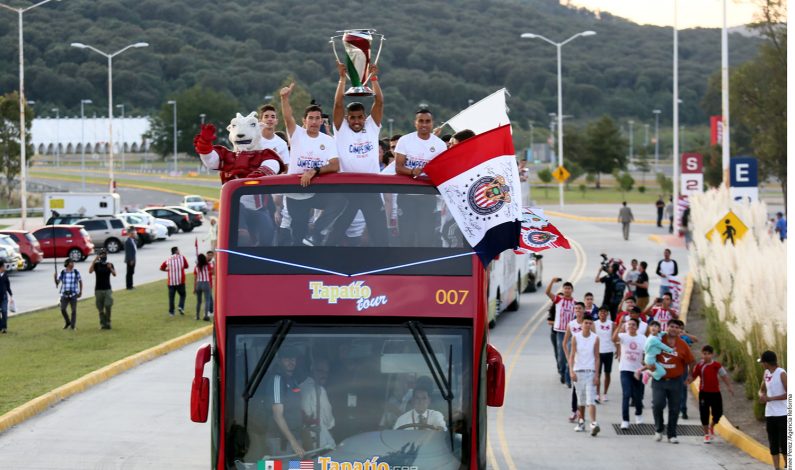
312 153
582 367
269 140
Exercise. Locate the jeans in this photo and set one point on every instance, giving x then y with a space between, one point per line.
260 226
630 387
372 208
300 210
683 403
666 392
72 302
203 287
563 364
130 273
178 289
4 313
553 336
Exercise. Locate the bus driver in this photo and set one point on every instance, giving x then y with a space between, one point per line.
420 417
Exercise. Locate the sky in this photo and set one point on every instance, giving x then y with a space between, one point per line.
692 13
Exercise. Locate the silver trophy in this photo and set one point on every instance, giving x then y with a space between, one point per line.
357 44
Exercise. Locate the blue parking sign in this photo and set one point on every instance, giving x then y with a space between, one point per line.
744 172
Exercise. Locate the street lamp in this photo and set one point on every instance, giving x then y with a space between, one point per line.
23 165
724 73
676 117
57 135
531 140
631 139
202 116
174 103
558 46
121 128
110 98
83 141
390 120
656 138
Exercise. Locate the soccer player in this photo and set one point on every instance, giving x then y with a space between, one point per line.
563 315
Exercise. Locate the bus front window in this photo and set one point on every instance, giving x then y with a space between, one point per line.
345 393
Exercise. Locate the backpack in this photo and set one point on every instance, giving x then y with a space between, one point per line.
619 286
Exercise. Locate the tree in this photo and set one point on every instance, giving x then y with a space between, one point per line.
666 184
218 108
545 175
605 149
9 141
574 150
625 181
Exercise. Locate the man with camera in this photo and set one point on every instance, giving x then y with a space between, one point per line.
71 289
102 291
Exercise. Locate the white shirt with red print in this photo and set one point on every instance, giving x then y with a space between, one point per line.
564 312
175 266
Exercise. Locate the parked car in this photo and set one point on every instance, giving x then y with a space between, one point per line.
13 248
28 246
196 203
170 226
181 219
64 240
535 269
64 219
196 217
108 232
143 221
7 258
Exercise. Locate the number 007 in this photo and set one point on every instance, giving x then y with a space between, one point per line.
451 297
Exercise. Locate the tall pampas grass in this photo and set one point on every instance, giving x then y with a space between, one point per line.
744 286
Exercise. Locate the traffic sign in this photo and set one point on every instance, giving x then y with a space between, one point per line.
744 174
561 174
730 228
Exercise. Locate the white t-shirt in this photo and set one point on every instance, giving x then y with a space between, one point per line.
773 387
584 358
575 327
433 418
419 152
278 145
310 152
604 330
358 151
631 351
389 169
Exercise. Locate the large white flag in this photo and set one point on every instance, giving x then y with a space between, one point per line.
485 115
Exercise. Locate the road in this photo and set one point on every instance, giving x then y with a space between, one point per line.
35 289
140 417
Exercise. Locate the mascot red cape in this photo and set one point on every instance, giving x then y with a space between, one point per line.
247 160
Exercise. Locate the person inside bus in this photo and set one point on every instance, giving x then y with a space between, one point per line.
420 417
317 412
284 398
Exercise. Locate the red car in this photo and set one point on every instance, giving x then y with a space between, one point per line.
28 246
60 241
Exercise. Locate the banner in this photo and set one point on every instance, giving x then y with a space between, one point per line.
716 130
479 181
487 114
537 234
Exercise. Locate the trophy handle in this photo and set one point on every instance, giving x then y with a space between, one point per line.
380 48
336 56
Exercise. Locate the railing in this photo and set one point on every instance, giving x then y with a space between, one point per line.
17 211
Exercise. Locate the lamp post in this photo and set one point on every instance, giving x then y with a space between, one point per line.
23 165
57 135
201 117
656 138
174 103
531 140
110 98
390 120
676 116
559 45
724 72
83 141
645 136
121 129
631 140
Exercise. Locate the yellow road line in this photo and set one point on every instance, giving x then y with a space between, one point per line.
492 460
526 332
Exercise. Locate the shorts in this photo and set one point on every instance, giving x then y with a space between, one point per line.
606 362
104 298
777 434
586 390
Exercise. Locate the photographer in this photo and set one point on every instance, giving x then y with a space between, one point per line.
614 287
71 289
102 292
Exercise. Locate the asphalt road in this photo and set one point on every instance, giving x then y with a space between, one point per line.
140 419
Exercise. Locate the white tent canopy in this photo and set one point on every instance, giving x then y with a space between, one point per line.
47 133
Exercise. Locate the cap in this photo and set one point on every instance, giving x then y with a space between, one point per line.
768 357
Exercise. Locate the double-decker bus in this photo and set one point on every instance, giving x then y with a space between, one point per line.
372 353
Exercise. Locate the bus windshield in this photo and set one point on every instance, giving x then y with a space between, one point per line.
350 393
344 228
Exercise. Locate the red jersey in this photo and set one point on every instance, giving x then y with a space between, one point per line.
246 164
204 274
175 266
623 316
663 315
564 313
709 374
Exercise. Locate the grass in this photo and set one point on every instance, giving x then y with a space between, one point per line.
203 191
38 356
604 195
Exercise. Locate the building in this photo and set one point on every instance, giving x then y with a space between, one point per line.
64 134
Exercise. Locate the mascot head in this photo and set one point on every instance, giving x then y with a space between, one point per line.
245 132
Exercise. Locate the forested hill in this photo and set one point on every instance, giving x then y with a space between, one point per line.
442 53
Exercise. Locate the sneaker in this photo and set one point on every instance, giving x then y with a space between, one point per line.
171 314
658 436
624 424
684 415
311 240
573 417
597 400
646 377
562 379
712 430
595 429
707 439
604 398
673 440
580 426
638 419
181 311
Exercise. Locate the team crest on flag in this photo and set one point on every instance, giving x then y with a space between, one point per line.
538 234
479 181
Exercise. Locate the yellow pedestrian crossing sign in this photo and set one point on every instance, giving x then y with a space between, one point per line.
561 174
730 228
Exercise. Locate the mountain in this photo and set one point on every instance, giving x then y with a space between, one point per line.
442 53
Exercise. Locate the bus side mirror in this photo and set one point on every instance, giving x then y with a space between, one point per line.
200 388
495 377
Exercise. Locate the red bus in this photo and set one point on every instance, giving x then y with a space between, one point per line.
361 351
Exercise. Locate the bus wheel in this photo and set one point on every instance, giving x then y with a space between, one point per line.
492 324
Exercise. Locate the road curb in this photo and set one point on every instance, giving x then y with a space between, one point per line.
725 428
41 403
583 218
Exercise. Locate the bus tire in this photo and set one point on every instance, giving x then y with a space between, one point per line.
531 285
492 324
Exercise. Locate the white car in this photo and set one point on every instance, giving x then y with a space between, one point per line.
196 203
169 225
142 218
